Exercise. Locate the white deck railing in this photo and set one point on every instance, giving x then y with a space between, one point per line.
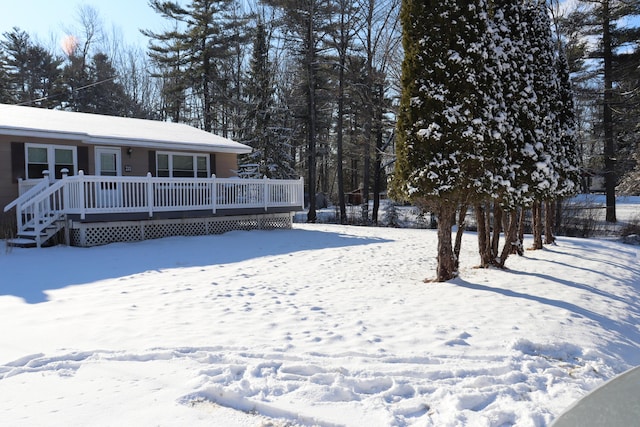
85 194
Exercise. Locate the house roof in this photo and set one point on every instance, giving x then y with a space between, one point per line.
108 130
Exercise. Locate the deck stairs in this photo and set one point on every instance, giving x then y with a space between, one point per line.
35 235
40 216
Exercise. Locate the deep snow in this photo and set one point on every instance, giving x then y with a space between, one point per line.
322 325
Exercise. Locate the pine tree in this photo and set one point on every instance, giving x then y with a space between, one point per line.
613 25
342 44
271 151
107 95
5 90
169 54
32 73
447 113
195 57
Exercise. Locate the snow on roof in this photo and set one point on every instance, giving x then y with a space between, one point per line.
110 130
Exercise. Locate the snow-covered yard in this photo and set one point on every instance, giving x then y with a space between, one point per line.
321 325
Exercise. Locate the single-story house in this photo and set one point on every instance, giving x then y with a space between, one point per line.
121 178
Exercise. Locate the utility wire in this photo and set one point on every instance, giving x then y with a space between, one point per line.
73 91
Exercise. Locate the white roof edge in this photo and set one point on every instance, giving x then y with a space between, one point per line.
150 143
111 130
15 131
146 143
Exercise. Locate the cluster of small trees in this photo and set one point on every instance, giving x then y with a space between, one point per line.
486 121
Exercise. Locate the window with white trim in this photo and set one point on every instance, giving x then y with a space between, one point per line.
182 165
54 158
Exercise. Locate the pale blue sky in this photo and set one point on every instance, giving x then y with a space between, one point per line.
47 20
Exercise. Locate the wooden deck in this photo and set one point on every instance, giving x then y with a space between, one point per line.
46 208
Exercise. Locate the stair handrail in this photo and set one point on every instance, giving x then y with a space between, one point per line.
29 194
41 220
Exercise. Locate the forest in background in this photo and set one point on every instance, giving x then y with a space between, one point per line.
313 86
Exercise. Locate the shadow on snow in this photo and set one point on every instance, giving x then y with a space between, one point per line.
29 273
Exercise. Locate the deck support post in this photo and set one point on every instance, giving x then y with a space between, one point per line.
67 231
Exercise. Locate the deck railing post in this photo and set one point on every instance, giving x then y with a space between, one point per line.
214 190
301 192
150 194
265 193
19 215
47 177
36 223
19 207
81 195
65 190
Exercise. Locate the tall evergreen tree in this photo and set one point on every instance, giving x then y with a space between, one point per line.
446 113
32 73
505 189
544 148
271 151
611 23
107 95
194 54
5 91
626 112
170 57
342 44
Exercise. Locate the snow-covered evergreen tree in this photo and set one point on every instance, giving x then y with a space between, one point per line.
540 137
447 114
482 118
568 159
546 150
504 154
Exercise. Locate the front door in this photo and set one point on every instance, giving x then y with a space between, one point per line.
108 164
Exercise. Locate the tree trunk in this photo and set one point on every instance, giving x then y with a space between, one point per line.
368 123
607 111
510 238
497 228
536 212
339 125
484 245
377 179
548 222
461 227
519 247
446 269
311 120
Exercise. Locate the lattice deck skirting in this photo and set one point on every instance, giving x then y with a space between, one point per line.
101 233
